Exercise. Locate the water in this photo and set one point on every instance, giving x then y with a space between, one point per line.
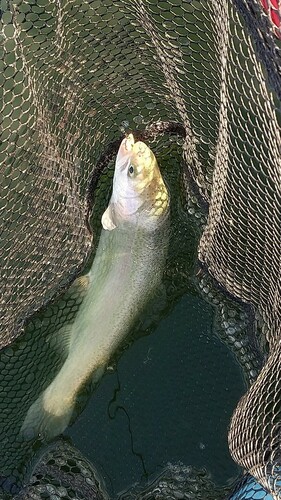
172 395
169 401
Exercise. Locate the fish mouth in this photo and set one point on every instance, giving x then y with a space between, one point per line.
131 150
125 152
141 153
139 148
129 143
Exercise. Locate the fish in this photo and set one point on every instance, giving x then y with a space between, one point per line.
125 274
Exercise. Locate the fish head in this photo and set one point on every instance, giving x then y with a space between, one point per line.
139 192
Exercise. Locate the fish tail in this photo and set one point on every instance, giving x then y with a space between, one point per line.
47 418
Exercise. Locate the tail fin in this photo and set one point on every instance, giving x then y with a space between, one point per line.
41 422
50 414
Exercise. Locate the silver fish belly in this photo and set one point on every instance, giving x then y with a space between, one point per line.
126 271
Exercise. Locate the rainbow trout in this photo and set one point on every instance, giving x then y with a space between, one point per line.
127 269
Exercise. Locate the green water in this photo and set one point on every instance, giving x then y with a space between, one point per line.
172 395
169 401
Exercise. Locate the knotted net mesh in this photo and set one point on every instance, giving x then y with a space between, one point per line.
74 75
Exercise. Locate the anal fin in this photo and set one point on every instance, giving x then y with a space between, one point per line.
60 340
79 287
64 337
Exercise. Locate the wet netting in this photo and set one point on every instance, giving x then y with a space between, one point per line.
198 81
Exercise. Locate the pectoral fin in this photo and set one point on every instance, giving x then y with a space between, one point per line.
108 219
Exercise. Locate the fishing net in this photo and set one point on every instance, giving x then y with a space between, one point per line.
201 79
62 472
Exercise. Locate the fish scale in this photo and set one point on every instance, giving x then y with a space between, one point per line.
126 271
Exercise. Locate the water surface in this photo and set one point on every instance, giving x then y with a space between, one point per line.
169 401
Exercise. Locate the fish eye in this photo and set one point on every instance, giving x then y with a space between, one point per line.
131 169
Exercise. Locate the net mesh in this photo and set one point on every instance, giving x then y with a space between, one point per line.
73 75
61 472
